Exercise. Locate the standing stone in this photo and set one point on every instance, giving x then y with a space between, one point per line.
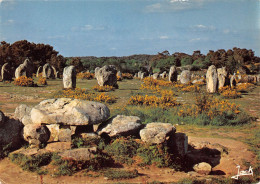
25 69
6 72
143 75
55 72
39 70
211 79
173 74
222 74
185 77
155 76
107 76
96 70
139 74
163 75
69 77
233 81
47 71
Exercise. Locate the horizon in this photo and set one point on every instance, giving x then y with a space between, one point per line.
107 28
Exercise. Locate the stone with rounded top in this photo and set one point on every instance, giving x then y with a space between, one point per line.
69 111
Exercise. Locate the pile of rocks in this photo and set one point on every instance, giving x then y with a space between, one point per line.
57 120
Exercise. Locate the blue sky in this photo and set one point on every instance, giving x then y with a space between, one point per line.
126 27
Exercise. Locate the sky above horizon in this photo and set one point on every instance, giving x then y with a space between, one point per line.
127 27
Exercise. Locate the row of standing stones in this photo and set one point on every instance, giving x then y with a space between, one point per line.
107 75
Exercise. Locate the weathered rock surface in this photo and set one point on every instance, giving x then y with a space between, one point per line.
163 75
54 130
96 70
89 136
222 75
23 114
6 72
25 69
173 74
121 125
202 168
36 134
68 111
58 146
48 71
139 74
80 154
39 70
211 79
107 76
10 132
185 77
155 76
156 132
69 77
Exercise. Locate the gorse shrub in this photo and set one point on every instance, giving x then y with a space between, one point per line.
127 76
193 88
229 92
83 94
118 78
42 81
105 88
24 81
212 111
245 87
154 101
85 75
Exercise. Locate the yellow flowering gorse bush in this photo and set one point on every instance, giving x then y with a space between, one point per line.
24 81
42 81
85 75
83 94
210 106
105 88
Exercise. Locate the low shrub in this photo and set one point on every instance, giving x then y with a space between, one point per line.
192 88
42 81
122 149
155 154
127 76
229 92
24 81
67 166
245 87
105 88
165 101
85 75
118 78
83 94
31 163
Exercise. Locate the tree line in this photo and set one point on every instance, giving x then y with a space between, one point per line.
41 54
